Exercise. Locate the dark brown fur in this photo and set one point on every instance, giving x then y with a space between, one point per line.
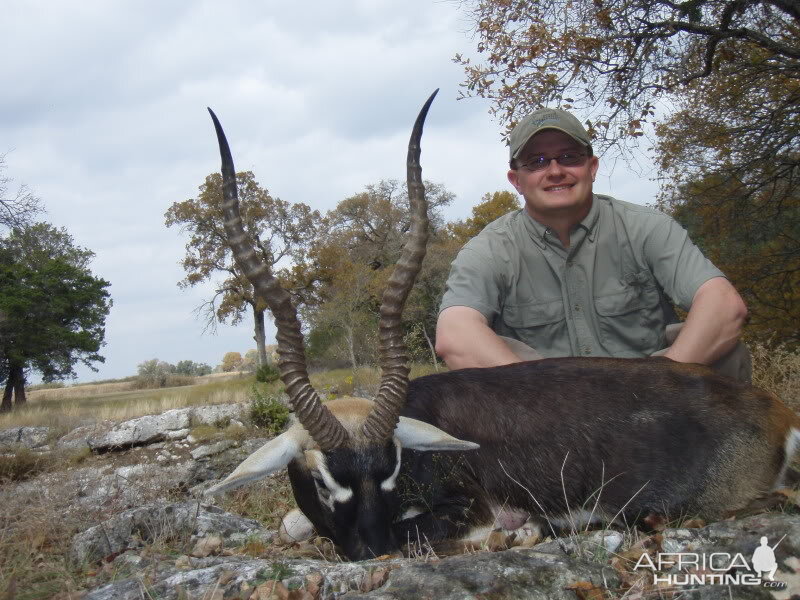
635 436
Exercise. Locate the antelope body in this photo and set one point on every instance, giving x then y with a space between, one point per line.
559 439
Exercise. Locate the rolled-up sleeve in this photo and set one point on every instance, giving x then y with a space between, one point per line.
678 265
473 282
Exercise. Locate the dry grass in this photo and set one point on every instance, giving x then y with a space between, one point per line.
777 369
64 413
266 501
79 391
343 382
33 543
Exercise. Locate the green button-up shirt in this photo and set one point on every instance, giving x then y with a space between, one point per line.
602 296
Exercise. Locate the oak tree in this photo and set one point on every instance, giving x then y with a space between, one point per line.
52 309
349 265
278 229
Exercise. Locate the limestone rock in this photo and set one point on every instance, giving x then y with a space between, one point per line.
143 430
211 449
189 521
27 437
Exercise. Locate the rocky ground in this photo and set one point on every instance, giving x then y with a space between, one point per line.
129 496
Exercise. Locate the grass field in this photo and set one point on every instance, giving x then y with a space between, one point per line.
69 406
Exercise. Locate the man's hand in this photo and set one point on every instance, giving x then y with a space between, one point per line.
713 324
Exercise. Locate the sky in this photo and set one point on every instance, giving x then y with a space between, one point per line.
103 116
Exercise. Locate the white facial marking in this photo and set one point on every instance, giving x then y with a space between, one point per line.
388 484
412 512
335 492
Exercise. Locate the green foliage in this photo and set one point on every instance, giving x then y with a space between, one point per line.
156 373
153 373
267 412
275 572
348 266
191 368
52 309
267 373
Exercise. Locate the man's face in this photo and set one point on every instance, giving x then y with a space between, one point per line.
557 190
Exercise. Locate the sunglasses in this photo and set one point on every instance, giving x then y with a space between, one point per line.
567 159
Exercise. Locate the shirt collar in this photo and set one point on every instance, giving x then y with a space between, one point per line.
539 232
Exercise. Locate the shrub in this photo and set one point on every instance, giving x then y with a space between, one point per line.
267 373
267 411
21 465
776 368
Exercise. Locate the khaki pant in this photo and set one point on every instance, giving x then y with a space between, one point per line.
736 363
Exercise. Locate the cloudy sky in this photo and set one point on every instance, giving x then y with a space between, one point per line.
102 115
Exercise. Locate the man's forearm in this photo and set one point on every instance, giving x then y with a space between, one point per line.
712 326
463 342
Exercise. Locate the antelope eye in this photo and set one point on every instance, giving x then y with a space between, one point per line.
322 489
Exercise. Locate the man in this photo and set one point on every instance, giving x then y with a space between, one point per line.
580 274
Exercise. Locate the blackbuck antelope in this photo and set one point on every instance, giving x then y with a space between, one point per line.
575 439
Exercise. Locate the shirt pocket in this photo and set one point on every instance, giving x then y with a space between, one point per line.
631 321
539 324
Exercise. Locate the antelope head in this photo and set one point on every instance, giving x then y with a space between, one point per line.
344 456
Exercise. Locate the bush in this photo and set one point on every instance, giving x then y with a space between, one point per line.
267 411
21 465
267 373
776 368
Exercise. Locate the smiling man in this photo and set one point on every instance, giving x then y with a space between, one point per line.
581 274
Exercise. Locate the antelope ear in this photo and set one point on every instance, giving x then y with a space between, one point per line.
272 456
418 435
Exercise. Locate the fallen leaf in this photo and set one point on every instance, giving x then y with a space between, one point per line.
693 524
529 541
314 583
374 579
586 590
655 522
271 590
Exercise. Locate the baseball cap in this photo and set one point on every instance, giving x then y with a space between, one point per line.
546 118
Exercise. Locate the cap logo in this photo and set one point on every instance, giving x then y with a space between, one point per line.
546 117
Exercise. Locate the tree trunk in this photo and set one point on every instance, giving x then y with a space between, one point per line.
19 387
6 405
430 345
261 336
348 330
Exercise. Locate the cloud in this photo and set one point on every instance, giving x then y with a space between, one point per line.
103 110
